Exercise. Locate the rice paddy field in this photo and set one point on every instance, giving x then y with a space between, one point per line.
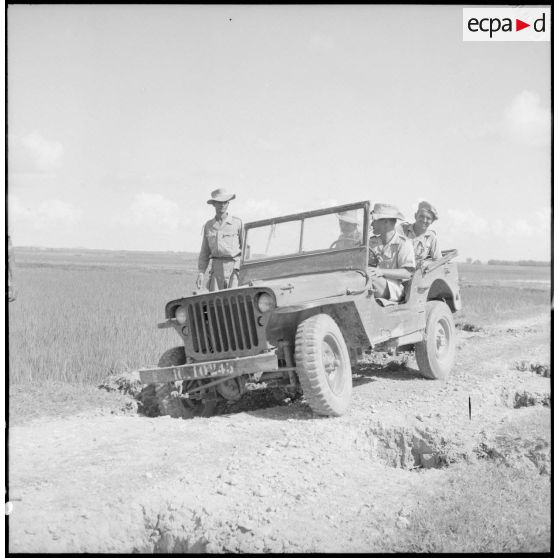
83 315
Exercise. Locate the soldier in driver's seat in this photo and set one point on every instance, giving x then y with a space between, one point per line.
391 255
351 235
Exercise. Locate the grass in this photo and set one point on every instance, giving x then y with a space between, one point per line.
484 507
78 326
489 305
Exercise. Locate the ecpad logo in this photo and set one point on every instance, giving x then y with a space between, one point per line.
506 24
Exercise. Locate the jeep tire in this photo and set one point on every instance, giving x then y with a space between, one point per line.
323 365
167 403
436 354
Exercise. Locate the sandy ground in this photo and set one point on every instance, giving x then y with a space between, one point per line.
281 479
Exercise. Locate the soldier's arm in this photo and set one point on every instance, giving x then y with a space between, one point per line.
435 253
205 253
406 264
401 274
240 234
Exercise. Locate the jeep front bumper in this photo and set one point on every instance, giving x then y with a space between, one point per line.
231 368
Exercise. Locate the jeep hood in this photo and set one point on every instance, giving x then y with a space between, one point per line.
292 291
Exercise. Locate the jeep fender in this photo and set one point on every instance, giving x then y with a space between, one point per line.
283 324
440 290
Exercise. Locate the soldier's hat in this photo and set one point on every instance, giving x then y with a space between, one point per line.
221 195
386 211
349 216
428 207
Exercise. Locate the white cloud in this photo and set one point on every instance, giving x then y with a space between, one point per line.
155 212
49 214
35 154
527 121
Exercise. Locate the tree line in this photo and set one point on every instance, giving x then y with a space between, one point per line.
519 262
535 263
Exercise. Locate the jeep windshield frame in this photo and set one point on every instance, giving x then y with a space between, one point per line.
299 261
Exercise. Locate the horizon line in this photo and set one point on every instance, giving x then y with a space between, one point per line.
460 257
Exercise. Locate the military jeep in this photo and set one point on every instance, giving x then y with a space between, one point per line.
303 314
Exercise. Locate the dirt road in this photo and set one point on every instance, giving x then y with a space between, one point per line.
280 479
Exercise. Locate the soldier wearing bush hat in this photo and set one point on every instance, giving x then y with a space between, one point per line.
425 240
222 244
391 257
351 234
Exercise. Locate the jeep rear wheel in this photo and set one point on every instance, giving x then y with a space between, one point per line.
323 365
436 354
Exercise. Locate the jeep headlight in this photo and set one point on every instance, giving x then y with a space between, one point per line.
180 315
265 302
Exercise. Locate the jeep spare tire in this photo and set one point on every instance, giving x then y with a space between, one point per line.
436 354
323 365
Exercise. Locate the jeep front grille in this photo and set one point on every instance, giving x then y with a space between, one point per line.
223 324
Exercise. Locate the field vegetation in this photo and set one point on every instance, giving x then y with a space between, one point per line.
81 316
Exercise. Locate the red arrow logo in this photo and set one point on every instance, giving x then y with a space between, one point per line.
519 25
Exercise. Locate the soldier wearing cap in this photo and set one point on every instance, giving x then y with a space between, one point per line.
350 235
391 254
425 241
222 244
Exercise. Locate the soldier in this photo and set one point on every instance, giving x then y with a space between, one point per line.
350 234
222 244
390 254
425 242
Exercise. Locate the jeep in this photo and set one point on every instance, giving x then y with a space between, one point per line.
304 312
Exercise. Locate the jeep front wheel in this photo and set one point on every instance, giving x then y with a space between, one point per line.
168 403
436 354
323 365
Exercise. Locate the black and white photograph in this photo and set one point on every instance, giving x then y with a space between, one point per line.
278 278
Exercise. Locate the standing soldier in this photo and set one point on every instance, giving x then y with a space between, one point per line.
425 242
222 244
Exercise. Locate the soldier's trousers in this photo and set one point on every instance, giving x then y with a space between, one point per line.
223 275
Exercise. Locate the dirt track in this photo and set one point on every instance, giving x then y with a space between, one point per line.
280 479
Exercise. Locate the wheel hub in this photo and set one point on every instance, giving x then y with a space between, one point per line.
332 366
441 339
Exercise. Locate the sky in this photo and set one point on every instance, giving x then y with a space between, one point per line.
123 119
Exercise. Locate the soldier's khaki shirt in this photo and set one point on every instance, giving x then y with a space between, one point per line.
348 240
425 245
396 254
222 241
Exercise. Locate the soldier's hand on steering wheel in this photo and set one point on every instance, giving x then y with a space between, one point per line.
375 272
